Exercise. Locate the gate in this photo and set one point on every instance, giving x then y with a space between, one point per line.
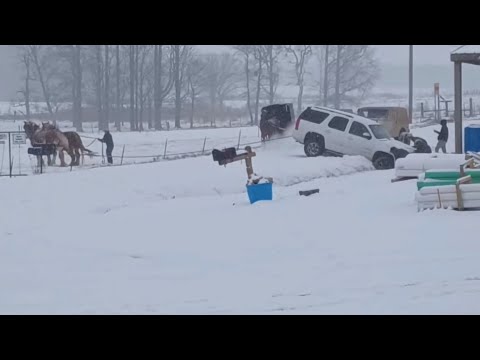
9 141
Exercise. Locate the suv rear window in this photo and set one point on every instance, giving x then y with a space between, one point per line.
316 117
375 114
338 123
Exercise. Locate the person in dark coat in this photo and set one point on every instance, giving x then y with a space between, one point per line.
108 140
442 137
421 145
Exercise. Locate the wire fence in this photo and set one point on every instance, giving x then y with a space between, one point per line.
123 158
195 153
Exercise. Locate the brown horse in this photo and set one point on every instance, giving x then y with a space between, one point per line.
32 131
30 128
75 142
39 135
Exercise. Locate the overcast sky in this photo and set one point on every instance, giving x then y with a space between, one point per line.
394 54
423 54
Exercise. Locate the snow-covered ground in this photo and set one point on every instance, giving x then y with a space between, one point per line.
180 237
139 147
164 145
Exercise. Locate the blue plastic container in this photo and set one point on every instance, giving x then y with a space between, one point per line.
472 138
260 192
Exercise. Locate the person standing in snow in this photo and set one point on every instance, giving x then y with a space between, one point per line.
108 140
442 137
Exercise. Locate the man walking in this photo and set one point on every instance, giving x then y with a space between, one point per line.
442 137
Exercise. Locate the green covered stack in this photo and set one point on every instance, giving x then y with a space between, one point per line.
445 177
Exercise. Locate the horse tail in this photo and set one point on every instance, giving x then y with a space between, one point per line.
84 149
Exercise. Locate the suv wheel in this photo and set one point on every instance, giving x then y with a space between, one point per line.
399 153
314 146
384 162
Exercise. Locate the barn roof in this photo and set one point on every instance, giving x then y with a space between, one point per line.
468 54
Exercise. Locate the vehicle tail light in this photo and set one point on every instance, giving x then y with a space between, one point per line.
297 124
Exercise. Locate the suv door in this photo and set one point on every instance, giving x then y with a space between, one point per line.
336 135
360 140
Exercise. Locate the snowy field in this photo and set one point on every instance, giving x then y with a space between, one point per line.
180 237
136 147
152 146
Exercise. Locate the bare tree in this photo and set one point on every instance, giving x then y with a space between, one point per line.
321 66
259 74
195 77
61 70
117 83
176 71
90 81
356 71
106 105
145 83
124 77
300 54
163 67
25 60
146 75
132 86
105 81
77 86
338 60
140 72
180 57
228 80
270 56
40 58
52 68
136 48
247 52
221 80
157 71
99 85
210 84
77 74
325 76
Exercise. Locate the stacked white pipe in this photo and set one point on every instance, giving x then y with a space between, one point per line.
416 164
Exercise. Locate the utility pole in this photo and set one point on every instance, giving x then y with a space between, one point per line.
410 84
325 78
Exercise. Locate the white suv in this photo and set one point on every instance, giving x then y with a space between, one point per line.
324 130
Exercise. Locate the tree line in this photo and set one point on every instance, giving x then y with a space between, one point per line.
148 84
